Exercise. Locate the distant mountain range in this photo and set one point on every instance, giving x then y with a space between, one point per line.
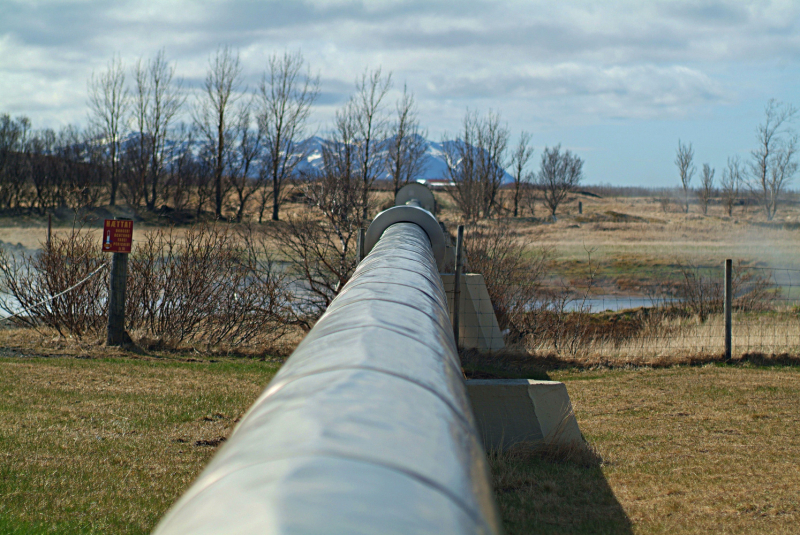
434 165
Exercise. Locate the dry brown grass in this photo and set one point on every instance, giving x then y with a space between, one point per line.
685 450
667 339
711 449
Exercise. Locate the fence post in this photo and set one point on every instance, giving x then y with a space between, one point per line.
457 281
49 229
116 333
580 207
728 303
360 245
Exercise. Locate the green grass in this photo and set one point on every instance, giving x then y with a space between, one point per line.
107 445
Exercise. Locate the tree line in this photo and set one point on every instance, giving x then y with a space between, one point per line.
227 148
764 178
238 144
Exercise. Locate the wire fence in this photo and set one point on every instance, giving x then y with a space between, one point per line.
210 281
673 312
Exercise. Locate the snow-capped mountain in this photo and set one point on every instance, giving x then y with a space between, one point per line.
434 162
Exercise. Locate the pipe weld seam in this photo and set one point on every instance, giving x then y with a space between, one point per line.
344 328
433 317
274 389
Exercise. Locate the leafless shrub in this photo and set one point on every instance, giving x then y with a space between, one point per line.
33 280
561 315
666 204
531 311
322 257
702 292
208 287
513 275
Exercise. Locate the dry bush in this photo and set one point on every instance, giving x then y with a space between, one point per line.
322 258
529 311
211 287
702 293
33 280
513 273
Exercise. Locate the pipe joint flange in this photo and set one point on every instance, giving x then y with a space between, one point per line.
408 214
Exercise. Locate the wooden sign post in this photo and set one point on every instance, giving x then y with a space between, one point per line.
117 239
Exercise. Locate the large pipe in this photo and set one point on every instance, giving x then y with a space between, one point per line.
367 427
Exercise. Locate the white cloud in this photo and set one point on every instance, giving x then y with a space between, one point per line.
592 61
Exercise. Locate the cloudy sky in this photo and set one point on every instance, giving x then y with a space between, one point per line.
619 82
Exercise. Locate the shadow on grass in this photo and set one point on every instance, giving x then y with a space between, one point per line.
555 491
546 488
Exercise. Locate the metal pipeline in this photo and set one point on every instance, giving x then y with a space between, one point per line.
367 427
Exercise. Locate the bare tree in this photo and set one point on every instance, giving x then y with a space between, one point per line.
475 164
137 153
461 157
320 244
203 180
157 100
287 93
773 162
39 153
706 189
529 196
519 161
246 147
371 128
108 108
492 144
182 168
13 176
559 174
683 160
731 183
405 160
215 114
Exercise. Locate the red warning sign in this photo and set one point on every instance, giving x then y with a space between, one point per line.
117 236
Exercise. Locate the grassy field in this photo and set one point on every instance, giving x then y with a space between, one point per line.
710 449
625 232
106 445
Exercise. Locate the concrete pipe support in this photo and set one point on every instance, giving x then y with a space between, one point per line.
367 428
